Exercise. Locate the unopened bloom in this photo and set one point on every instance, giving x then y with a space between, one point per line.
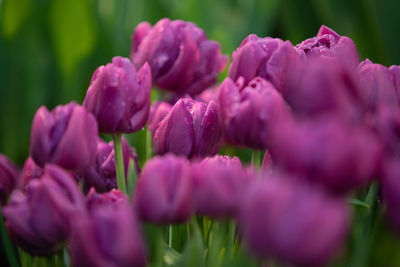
164 191
158 111
219 184
112 197
8 178
268 58
191 129
39 220
107 234
119 96
65 136
180 56
292 222
328 152
29 172
330 44
102 174
249 111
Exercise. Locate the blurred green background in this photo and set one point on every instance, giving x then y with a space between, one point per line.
50 48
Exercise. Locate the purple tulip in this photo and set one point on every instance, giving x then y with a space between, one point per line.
219 184
112 197
268 58
249 111
181 57
102 174
328 43
158 111
107 235
207 95
164 191
30 172
379 85
328 152
190 129
8 178
322 86
292 222
39 221
119 97
390 190
65 136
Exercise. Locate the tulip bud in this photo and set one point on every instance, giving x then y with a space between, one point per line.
322 86
378 86
328 43
158 111
219 184
164 191
39 221
8 178
190 129
119 97
292 222
249 111
267 58
112 197
30 171
107 235
102 174
180 56
327 152
65 136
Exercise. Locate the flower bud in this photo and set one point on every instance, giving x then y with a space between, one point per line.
327 152
158 111
39 221
164 191
108 234
180 56
66 136
190 129
30 172
8 178
112 197
267 58
219 184
328 43
249 111
292 222
119 97
102 174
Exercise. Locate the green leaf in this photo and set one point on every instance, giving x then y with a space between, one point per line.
73 31
13 15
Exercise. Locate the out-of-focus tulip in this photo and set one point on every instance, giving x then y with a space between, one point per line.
207 95
66 136
322 86
102 174
378 85
180 56
159 110
29 172
268 58
39 221
8 178
107 235
112 197
292 222
249 111
328 152
330 44
191 129
164 191
119 97
219 184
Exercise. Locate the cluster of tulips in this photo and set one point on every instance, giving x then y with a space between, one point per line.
328 125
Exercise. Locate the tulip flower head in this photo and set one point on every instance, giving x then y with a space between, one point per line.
8 178
119 96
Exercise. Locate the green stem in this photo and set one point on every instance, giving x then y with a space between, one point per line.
170 236
230 240
255 158
132 177
149 149
8 246
119 162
